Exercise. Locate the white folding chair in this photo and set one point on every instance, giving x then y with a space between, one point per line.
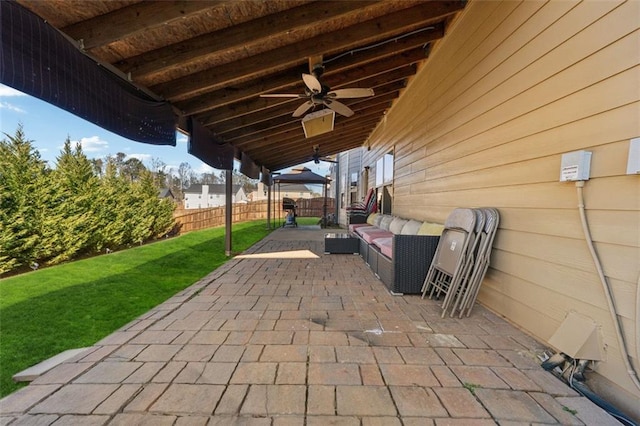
451 253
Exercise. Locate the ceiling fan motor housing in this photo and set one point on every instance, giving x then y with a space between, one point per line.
317 70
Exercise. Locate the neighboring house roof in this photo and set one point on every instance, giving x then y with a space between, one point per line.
214 188
166 193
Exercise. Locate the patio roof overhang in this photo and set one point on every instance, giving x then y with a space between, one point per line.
204 65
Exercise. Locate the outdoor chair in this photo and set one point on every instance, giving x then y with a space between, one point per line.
446 268
468 297
467 267
358 212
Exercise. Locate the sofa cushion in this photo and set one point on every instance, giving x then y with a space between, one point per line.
371 218
385 244
386 221
397 224
354 226
370 235
429 228
360 229
377 220
411 227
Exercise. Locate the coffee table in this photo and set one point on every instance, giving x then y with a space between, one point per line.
340 243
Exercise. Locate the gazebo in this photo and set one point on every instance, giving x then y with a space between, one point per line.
302 176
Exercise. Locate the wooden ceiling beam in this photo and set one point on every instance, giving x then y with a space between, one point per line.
256 105
294 129
273 117
360 35
295 135
303 150
390 55
132 20
247 33
277 126
340 134
300 157
260 114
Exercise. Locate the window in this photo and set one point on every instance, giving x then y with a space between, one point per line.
388 169
384 182
380 172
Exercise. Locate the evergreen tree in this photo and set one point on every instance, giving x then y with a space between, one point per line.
70 227
83 205
154 216
115 210
23 201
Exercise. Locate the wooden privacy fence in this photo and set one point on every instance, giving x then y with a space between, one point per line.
193 219
313 207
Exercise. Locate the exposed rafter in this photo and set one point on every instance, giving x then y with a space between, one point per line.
213 59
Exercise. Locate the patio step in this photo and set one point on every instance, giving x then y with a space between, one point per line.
33 372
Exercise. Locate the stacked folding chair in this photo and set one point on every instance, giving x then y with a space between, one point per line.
461 259
482 262
468 264
451 254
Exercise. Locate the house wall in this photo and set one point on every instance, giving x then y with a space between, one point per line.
207 199
512 87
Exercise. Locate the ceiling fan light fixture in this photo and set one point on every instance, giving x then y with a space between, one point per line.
318 122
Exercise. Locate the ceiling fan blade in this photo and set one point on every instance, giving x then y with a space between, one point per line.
312 83
338 107
303 108
282 95
350 93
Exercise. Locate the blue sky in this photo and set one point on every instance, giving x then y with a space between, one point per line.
48 127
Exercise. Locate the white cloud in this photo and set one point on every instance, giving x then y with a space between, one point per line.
141 157
10 107
6 91
181 138
93 144
204 168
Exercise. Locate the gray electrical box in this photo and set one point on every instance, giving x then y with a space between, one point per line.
575 166
633 163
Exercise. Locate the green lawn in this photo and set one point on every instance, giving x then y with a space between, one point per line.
45 312
305 221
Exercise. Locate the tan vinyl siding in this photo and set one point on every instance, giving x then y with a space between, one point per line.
512 87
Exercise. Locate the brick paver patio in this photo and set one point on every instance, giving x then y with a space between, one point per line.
302 339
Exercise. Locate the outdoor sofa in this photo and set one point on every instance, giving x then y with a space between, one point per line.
399 251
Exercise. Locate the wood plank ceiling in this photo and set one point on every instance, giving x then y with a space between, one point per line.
213 59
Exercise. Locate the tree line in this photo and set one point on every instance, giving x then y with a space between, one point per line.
82 206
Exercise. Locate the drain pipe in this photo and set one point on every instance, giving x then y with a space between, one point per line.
607 291
571 371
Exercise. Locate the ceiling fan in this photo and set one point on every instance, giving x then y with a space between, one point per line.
321 94
317 158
